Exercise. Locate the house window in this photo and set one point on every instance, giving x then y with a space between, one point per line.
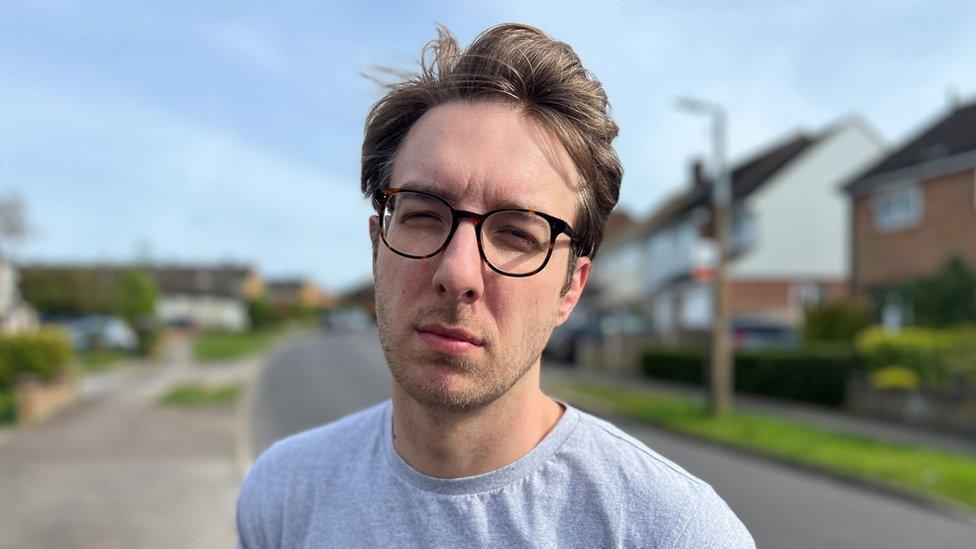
898 207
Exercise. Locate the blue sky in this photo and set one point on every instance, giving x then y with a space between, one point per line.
202 131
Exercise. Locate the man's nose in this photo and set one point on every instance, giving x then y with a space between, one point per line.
460 274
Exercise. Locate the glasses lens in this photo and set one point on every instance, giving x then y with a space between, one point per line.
416 224
516 242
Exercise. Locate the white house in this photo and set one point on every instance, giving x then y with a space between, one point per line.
15 315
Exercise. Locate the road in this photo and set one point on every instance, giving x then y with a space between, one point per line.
322 378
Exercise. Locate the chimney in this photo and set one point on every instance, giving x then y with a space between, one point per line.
698 173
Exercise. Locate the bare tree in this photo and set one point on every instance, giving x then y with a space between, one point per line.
14 226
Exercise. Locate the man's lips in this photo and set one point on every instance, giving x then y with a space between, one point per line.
448 340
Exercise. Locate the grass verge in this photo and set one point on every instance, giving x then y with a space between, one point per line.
946 476
195 394
97 360
229 345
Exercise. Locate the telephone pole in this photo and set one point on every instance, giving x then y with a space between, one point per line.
721 365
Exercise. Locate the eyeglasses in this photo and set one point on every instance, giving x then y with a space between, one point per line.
513 242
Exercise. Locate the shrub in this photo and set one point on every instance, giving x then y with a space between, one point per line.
945 298
685 364
43 353
835 322
816 374
893 378
942 359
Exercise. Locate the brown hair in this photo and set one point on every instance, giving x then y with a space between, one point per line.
522 65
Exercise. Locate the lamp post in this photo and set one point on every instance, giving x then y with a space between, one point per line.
721 366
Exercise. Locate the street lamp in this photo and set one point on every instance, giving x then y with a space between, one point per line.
720 380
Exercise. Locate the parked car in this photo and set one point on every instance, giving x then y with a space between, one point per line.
101 332
759 333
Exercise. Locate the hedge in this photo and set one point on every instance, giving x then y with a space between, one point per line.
942 359
43 354
815 374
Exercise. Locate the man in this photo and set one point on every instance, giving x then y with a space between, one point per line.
492 174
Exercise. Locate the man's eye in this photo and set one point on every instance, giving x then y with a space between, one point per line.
515 238
419 217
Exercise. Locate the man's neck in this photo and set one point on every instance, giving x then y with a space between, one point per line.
447 444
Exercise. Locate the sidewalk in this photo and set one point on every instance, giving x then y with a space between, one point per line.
121 470
815 416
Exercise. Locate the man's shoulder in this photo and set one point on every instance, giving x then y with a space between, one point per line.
645 484
604 445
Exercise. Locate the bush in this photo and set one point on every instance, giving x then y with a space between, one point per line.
835 322
685 364
942 359
946 298
44 354
8 406
816 374
261 314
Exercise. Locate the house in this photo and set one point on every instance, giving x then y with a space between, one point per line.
209 297
914 209
16 316
789 238
296 292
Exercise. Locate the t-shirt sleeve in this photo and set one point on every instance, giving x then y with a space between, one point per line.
258 511
712 525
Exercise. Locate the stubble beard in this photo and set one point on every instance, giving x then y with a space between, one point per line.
487 380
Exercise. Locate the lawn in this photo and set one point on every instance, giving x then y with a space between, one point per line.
195 394
229 345
941 474
100 359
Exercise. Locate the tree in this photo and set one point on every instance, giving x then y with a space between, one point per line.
136 295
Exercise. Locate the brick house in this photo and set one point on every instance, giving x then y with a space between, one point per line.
915 209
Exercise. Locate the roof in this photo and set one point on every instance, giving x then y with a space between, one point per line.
952 135
225 280
222 280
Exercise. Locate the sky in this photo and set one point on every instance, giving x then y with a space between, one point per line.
198 132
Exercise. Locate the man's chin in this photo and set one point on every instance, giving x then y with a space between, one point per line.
441 388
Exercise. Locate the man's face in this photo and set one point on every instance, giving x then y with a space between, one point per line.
456 334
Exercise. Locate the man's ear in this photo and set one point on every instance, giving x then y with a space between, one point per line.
374 232
569 299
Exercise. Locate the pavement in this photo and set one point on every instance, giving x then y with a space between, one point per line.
823 417
121 470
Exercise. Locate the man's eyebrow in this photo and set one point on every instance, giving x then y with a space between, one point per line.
454 198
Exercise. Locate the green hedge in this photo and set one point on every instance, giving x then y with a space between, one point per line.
815 374
942 359
43 354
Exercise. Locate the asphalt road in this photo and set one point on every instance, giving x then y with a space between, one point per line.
322 378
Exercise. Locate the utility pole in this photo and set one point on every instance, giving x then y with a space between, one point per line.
721 365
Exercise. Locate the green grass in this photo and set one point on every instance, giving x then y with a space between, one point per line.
95 360
195 394
227 345
936 473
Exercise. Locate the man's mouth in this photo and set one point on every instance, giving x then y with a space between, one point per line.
449 340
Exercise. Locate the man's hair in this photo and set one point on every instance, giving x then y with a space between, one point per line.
521 65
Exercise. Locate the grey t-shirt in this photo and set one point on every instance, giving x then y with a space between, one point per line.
586 484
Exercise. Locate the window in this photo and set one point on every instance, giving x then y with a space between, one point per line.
897 207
